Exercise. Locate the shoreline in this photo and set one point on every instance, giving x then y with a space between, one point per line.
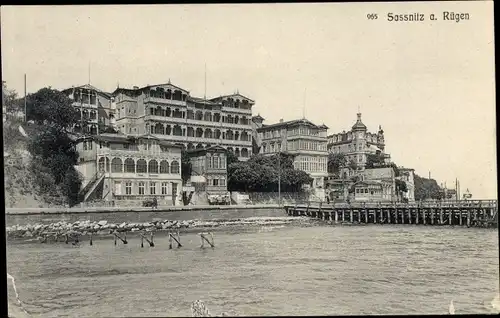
80 210
102 228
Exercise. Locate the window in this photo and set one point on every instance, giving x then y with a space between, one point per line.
216 162
164 166
174 188
116 165
175 167
118 188
128 188
141 166
223 182
152 188
84 145
141 188
164 188
209 162
215 182
153 166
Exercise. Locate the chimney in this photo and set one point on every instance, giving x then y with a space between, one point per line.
281 120
135 87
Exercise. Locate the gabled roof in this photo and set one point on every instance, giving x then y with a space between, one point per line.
234 96
202 101
90 87
215 148
289 123
120 137
379 173
258 117
149 86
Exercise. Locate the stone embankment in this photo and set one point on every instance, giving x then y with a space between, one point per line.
103 227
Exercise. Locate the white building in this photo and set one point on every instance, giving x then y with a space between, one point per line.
301 138
129 169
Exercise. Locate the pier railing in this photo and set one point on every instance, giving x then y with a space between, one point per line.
478 213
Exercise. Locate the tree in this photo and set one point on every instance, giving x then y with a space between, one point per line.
335 162
260 173
53 150
401 187
426 189
231 158
49 106
374 160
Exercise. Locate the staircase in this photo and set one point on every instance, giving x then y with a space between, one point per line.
87 191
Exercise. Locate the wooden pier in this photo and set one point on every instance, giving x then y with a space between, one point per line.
479 213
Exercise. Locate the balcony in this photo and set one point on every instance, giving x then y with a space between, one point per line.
203 140
136 154
195 122
171 102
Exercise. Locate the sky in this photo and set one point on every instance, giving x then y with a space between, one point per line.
430 84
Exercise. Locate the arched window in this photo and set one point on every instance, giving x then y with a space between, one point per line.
129 165
177 130
102 164
153 166
207 116
208 133
159 129
141 166
244 152
164 166
174 167
199 132
116 165
198 115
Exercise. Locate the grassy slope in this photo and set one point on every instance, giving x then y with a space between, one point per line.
20 191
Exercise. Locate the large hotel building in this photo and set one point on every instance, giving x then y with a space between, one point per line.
299 137
169 112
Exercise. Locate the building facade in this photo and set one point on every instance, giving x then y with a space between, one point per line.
357 143
169 113
120 168
369 185
408 176
210 164
302 138
97 110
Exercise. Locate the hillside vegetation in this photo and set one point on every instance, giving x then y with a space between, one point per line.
39 168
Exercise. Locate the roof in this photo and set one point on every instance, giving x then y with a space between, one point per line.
202 101
359 124
289 123
215 148
379 173
148 86
90 87
235 95
120 137
258 117
369 182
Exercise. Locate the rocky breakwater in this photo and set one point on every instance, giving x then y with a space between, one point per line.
63 229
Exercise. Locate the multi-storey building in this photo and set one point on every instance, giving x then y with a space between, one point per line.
210 163
357 143
121 168
301 138
96 108
170 113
